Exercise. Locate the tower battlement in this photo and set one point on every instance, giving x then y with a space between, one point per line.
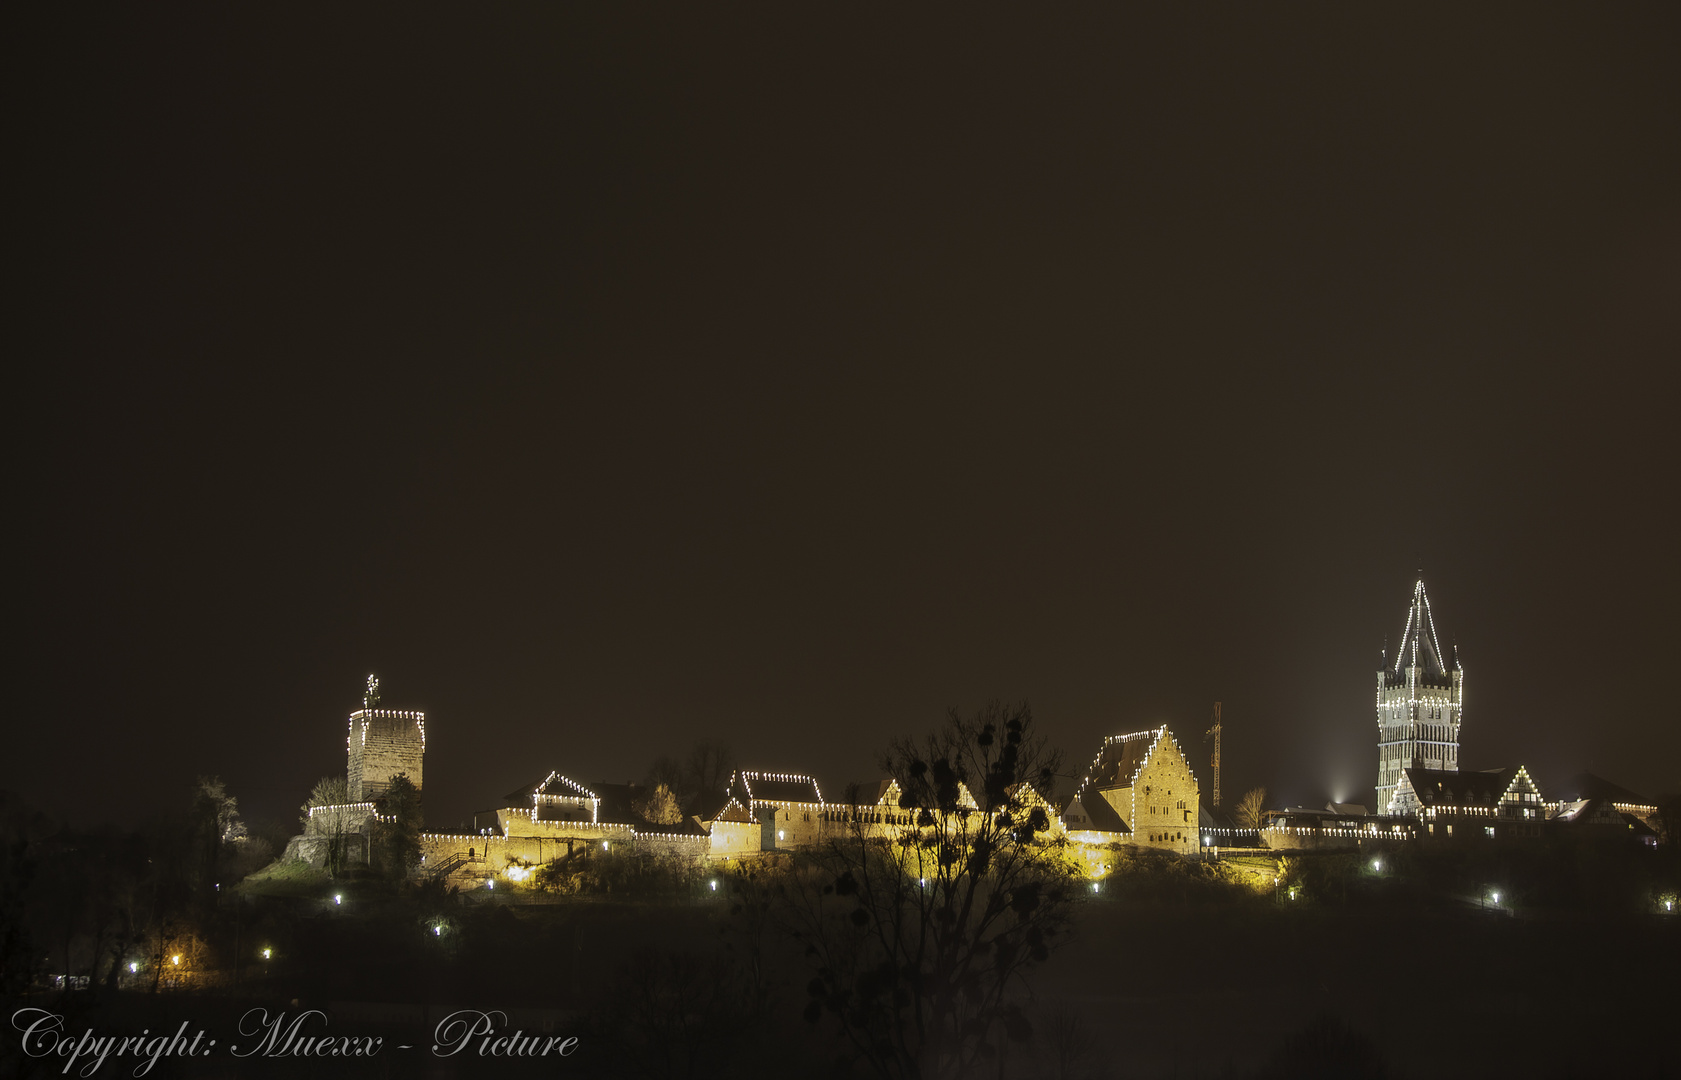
383 743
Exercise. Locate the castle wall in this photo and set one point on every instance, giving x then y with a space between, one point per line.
794 824
735 837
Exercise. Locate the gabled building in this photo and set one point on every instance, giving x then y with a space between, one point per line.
1452 805
1420 703
789 807
1138 790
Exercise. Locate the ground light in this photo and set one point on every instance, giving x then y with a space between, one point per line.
714 885
268 953
1377 865
338 898
176 959
133 967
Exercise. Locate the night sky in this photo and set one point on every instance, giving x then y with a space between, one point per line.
607 380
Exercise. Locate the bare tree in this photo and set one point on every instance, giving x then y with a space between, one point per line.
1251 809
918 932
327 814
216 829
708 772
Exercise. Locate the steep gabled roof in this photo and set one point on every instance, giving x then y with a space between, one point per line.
562 787
1119 759
1090 812
1419 644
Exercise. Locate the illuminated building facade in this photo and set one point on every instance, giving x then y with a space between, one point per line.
1498 804
382 744
1138 790
1420 704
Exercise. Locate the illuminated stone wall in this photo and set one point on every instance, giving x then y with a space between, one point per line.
382 744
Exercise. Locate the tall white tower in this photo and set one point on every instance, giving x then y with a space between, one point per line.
1420 703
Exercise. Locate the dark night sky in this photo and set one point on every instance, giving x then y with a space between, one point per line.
609 380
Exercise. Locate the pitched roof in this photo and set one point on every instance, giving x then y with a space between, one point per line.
1119 759
562 787
1439 787
1419 643
733 811
1090 812
775 787
554 785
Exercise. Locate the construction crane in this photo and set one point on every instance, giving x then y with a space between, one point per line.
1215 731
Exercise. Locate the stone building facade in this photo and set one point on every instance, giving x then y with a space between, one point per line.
1138 790
382 744
1501 804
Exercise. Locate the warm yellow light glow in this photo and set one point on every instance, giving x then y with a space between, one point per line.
176 959
267 953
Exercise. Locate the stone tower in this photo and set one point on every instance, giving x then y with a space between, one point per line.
383 743
1419 703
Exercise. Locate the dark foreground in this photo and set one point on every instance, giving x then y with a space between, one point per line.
1140 991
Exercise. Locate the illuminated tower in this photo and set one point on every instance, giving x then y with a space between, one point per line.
1419 703
383 743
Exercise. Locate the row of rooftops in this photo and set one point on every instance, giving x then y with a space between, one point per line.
1586 797
560 798
1436 787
